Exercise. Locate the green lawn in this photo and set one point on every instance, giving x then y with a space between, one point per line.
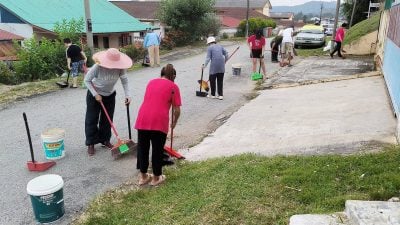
362 28
250 189
306 52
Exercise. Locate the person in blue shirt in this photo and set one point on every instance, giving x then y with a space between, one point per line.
152 44
218 56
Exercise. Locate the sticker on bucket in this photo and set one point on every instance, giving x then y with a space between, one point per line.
53 143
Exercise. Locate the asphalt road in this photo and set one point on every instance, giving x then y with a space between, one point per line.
86 177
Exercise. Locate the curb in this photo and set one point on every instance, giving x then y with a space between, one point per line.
309 82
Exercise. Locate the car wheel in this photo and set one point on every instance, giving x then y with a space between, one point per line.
296 46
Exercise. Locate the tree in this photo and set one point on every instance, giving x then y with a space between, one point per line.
255 24
71 29
188 16
360 13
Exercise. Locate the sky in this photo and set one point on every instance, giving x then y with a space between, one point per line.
293 2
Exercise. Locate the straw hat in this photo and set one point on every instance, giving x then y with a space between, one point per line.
210 40
112 59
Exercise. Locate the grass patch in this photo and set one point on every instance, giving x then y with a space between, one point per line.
250 189
11 93
307 52
362 28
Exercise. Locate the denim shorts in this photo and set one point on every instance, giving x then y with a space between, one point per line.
76 67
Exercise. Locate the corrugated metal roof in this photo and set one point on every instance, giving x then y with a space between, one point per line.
241 3
106 17
139 9
6 36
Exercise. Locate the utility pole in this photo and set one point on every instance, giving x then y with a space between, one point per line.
352 13
247 19
320 14
335 25
89 34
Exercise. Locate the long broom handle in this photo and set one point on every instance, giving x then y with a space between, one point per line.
229 57
29 136
108 116
201 79
129 121
172 117
109 120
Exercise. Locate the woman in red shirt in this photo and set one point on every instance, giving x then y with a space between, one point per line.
339 39
256 43
152 123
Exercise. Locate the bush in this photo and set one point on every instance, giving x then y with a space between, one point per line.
225 36
179 38
167 43
7 76
254 24
39 60
136 53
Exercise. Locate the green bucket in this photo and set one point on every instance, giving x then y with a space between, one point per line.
47 198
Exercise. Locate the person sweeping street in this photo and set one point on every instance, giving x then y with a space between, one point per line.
217 55
256 43
100 80
76 60
152 123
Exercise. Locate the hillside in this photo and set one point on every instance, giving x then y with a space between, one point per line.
313 7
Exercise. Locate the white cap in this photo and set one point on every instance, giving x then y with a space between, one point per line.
210 40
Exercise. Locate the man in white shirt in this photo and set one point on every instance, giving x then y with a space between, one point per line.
287 45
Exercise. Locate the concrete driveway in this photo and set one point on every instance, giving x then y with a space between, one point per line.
344 116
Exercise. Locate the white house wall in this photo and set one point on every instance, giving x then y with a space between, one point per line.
23 30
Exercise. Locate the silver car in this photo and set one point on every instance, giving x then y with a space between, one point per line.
309 38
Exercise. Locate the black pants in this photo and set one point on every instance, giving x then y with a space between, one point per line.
98 130
274 53
337 48
219 79
157 140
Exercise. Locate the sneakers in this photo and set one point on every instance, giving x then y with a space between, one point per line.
215 97
90 150
107 145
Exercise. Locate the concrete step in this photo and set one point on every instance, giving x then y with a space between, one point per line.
373 212
314 219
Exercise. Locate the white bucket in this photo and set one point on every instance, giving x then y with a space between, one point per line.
53 143
236 69
47 197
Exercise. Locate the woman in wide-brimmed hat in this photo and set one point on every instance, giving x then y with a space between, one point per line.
100 80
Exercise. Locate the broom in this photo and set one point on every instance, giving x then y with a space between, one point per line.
169 149
121 147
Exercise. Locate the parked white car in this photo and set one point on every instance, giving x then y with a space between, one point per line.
310 36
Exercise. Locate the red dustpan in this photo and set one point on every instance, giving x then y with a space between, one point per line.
35 165
169 149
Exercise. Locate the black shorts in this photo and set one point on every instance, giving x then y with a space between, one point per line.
256 53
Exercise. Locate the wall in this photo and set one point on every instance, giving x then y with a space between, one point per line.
366 45
383 29
391 67
23 30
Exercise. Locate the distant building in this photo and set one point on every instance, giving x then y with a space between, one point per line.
111 26
282 16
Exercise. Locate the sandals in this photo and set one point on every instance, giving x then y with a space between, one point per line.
145 181
160 180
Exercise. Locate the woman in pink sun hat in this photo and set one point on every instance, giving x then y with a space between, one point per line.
111 65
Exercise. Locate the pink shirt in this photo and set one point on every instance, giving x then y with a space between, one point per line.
339 35
154 111
256 43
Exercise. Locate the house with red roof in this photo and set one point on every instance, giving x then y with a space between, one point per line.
7 50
